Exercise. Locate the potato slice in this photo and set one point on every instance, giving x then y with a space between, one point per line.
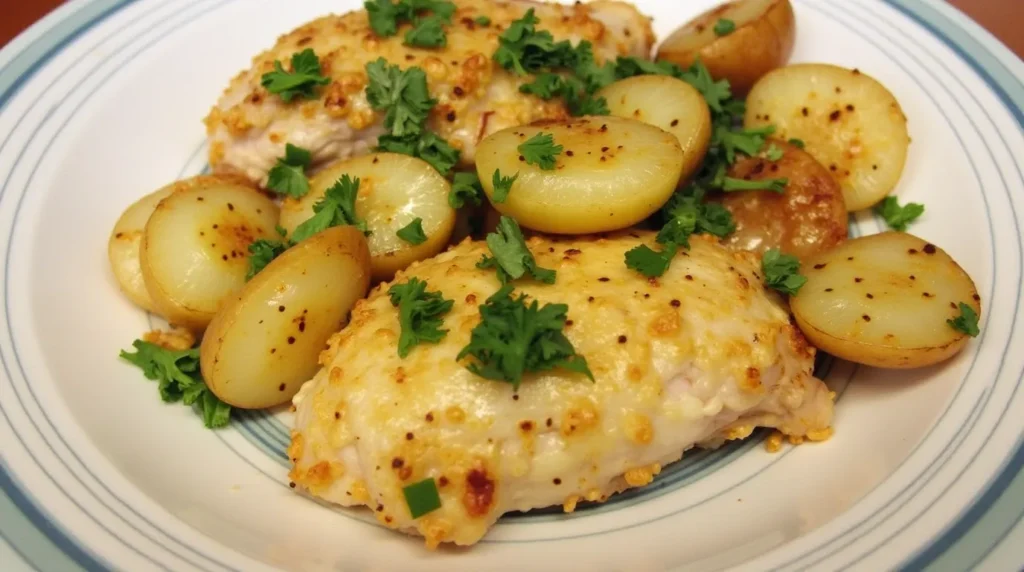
883 300
762 41
849 122
809 218
393 191
669 104
194 251
264 344
612 173
126 238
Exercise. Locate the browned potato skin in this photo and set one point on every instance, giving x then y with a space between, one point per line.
746 54
810 217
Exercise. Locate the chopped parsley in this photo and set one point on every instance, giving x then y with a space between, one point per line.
514 338
540 150
427 146
403 95
337 208
482 21
798 143
466 188
502 186
649 262
510 256
288 176
782 271
896 216
413 232
966 322
523 49
179 379
419 314
730 184
422 498
261 253
301 81
428 32
724 27
773 153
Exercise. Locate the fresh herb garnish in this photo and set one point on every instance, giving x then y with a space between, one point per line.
288 176
773 153
466 188
966 322
540 150
730 184
724 27
336 208
896 216
261 253
798 143
419 314
413 232
403 95
482 21
301 81
428 32
514 338
426 145
782 271
511 258
523 49
650 262
422 498
502 186
179 379
385 17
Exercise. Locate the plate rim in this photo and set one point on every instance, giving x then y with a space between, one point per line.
22 57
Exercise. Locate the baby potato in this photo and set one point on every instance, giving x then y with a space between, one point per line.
194 251
883 300
265 342
393 191
669 104
809 218
126 238
761 41
612 173
849 122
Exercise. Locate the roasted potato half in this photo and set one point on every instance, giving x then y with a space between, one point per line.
393 191
808 218
761 41
669 104
264 343
884 300
195 249
612 173
849 122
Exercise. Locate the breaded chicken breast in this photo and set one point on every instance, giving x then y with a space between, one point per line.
248 128
699 356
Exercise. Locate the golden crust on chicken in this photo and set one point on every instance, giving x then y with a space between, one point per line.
702 355
248 128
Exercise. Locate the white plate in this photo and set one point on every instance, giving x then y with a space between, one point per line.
102 101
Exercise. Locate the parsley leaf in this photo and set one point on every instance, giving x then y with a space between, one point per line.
573 90
514 338
261 253
422 498
724 27
799 143
427 146
502 186
384 16
482 21
179 379
540 150
650 262
428 32
288 176
419 314
966 322
403 95
545 86
782 271
302 80
413 232
466 188
773 153
774 185
511 257
896 216
522 49
338 207
746 141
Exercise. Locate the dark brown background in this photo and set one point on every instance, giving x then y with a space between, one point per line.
1004 18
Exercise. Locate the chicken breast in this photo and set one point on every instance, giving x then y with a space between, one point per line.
248 128
700 356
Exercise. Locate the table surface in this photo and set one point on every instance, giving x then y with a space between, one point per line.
1003 18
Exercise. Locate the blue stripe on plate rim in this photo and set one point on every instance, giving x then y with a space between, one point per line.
55 40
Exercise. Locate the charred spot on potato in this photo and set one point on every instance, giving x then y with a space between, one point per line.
479 495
